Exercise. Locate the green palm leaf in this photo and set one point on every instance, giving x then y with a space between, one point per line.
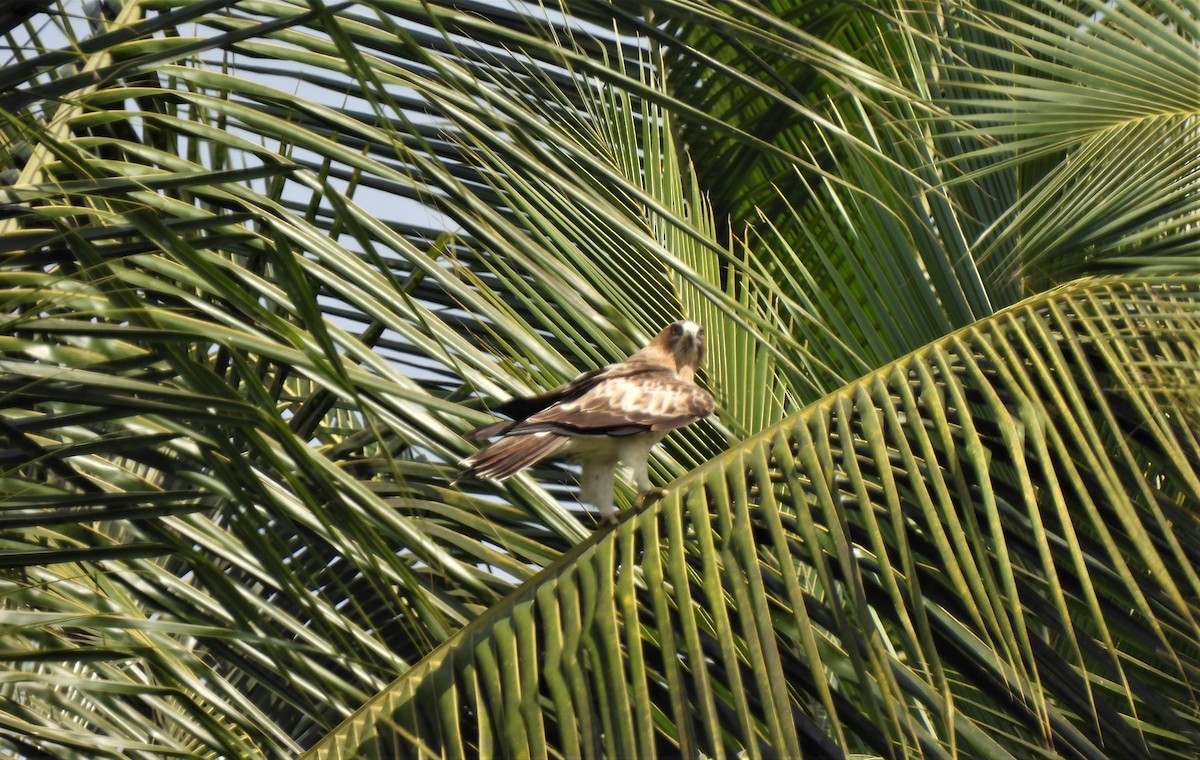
262 262
1109 94
859 578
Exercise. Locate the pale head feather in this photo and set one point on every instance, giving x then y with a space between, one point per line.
679 346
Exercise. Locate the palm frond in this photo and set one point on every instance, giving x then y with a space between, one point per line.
1108 93
262 262
975 519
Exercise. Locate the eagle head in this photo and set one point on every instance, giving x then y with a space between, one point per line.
681 344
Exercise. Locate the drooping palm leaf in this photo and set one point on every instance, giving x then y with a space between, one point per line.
1011 510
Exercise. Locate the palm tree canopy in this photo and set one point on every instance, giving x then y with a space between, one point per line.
265 262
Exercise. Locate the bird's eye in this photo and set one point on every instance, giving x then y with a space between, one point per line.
676 329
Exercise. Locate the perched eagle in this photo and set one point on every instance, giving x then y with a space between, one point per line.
605 416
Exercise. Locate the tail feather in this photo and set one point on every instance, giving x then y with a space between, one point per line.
490 431
508 456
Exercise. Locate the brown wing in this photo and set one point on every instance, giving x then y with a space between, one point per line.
624 404
522 408
619 400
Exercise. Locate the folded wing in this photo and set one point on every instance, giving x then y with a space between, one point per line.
625 405
615 401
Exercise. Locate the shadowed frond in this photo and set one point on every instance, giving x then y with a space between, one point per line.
977 519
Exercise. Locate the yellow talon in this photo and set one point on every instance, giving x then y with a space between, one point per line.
648 496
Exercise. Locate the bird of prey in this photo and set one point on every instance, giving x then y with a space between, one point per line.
608 415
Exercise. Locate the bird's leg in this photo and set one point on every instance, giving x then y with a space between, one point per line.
641 479
596 486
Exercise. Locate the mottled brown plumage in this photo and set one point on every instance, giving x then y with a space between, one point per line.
616 413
